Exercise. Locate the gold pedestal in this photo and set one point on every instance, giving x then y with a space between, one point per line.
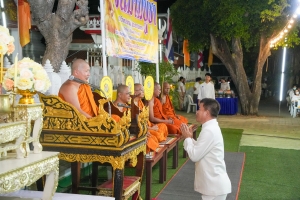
27 97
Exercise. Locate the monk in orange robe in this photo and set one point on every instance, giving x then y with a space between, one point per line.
70 89
167 105
156 114
84 102
157 132
123 97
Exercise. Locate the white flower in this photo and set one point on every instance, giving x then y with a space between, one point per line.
26 73
39 85
30 76
6 41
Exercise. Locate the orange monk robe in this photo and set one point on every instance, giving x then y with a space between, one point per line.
162 132
152 143
169 111
158 113
86 100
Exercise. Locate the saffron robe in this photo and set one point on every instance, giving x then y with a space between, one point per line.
86 100
158 113
169 111
155 136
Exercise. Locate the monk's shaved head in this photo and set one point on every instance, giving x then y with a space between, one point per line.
166 84
78 64
121 88
166 88
137 85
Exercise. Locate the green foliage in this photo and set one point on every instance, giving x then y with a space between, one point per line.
247 20
166 71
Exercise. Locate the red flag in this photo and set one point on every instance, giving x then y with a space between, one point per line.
200 59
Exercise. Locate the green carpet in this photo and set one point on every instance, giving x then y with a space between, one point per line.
270 174
231 137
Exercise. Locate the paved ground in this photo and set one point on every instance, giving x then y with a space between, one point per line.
269 129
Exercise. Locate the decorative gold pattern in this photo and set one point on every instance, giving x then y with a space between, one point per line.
62 117
11 137
116 162
143 118
17 179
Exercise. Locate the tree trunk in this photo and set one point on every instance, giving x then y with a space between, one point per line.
57 28
233 61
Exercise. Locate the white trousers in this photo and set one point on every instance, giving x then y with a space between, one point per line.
220 197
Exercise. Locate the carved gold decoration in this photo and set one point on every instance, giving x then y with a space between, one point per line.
116 162
18 178
29 113
60 116
11 138
143 118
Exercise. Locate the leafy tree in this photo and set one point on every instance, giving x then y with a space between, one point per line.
233 28
57 28
166 73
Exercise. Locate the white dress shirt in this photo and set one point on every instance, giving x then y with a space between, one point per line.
206 90
207 152
196 85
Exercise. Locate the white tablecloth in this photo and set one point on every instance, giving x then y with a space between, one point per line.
37 195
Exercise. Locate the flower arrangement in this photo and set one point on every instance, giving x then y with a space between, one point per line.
28 75
6 41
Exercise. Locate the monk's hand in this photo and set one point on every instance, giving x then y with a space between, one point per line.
155 127
170 121
186 133
148 135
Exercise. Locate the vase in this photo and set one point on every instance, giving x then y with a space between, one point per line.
27 96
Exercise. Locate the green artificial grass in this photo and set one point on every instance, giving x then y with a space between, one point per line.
231 143
270 174
232 138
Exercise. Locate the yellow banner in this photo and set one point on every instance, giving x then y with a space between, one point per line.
131 29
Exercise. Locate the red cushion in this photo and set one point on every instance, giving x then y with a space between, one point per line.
127 181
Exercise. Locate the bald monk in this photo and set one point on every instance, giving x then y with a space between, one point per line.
157 132
156 114
123 97
167 105
78 94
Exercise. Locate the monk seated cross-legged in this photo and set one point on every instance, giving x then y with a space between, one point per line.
157 132
156 114
167 106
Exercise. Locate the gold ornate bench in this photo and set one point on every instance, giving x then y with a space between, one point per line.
99 139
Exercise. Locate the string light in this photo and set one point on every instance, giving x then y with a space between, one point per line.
286 29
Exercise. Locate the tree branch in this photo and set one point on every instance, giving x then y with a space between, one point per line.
71 18
42 13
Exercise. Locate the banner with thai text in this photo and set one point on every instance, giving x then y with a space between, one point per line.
131 29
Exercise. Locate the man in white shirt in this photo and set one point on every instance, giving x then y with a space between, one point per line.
196 90
206 89
211 178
